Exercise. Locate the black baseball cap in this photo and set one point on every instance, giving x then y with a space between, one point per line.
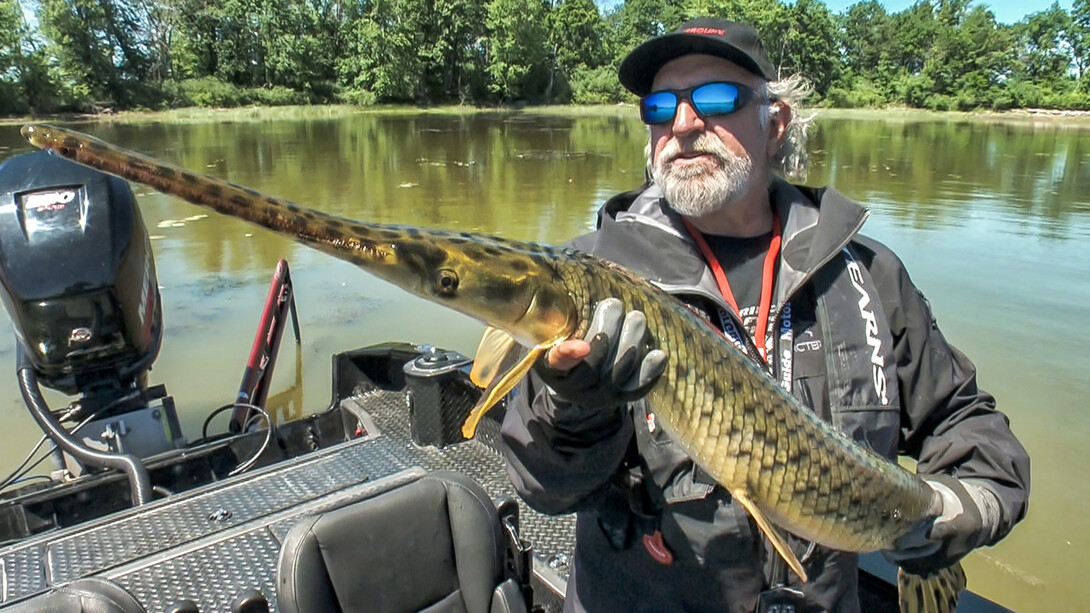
729 40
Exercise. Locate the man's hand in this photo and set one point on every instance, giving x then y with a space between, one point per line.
967 517
614 366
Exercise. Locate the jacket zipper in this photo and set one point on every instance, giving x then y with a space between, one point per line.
749 341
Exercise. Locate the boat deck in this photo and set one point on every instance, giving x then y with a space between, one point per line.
212 543
220 536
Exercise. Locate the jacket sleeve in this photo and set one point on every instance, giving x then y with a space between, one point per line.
948 423
561 457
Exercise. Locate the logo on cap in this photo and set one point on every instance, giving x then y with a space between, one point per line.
708 31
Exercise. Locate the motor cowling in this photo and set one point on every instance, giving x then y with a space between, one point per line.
76 274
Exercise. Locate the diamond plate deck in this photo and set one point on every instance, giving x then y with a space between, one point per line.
213 543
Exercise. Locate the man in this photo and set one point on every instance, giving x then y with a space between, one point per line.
829 314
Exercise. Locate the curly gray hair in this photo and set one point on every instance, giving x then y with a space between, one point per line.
792 159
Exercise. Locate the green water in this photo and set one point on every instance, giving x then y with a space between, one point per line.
991 219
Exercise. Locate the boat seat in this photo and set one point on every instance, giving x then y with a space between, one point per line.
87 595
436 544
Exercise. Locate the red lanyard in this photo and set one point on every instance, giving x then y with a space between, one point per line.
767 275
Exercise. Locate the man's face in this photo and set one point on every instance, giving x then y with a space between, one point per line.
707 164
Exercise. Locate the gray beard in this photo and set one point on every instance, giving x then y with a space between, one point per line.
695 191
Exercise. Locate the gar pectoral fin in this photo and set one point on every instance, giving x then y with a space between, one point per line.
934 593
500 388
770 533
495 353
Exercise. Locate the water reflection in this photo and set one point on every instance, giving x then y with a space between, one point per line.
938 173
990 219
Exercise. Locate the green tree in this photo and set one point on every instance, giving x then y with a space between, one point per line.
88 54
865 36
978 55
101 59
12 30
576 34
415 50
942 61
1043 73
1079 37
914 31
1043 56
382 52
638 20
298 40
811 44
516 45
219 39
193 43
238 50
156 29
452 58
576 45
26 83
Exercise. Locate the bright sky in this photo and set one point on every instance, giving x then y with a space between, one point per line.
1006 11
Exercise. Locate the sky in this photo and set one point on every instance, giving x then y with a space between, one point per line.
1006 11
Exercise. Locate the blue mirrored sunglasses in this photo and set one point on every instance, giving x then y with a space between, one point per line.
709 100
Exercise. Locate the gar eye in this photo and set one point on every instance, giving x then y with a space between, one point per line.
446 283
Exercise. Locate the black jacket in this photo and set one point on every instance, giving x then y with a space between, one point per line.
865 353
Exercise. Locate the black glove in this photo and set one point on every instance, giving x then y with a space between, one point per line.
968 519
620 368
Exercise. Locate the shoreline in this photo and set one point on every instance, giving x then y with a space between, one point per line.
1057 117
1044 117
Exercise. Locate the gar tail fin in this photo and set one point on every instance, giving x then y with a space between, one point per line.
934 593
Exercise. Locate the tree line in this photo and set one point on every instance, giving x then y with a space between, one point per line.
103 55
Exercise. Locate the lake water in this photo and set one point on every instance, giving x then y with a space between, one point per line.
992 220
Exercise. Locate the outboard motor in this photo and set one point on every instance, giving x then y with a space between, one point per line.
78 280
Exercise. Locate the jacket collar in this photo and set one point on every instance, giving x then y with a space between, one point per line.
818 223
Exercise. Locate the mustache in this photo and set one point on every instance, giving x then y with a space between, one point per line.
705 144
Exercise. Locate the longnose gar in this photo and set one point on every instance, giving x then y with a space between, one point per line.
779 460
